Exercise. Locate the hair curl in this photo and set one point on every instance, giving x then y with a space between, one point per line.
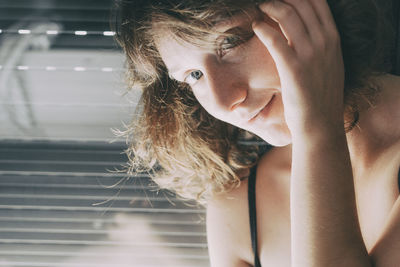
172 137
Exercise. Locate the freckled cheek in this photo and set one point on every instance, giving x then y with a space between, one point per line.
263 72
215 110
278 110
208 103
260 66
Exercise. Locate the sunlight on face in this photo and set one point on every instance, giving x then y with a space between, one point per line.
238 83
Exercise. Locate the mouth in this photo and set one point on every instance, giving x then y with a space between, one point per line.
264 110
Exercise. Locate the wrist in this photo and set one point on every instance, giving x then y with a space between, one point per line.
318 133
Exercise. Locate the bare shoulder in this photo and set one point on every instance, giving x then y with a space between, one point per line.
387 113
228 231
228 214
273 207
385 117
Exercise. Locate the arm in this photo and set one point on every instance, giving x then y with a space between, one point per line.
324 223
325 227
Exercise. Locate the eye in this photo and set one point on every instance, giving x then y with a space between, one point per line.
193 77
227 44
233 38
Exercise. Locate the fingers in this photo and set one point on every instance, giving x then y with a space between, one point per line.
308 15
276 44
307 57
324 13
289 21
302 21
325 16
307 25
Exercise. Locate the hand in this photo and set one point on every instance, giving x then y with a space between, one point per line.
309 61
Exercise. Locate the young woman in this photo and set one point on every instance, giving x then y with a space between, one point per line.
309 77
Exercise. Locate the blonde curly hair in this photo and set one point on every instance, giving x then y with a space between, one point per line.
172 137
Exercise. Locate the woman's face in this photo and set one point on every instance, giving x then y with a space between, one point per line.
238 84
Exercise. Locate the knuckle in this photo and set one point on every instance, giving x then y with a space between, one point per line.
308 54
286 11
333 34
336 37
330 41
321 43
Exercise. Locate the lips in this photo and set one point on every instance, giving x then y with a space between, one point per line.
263 111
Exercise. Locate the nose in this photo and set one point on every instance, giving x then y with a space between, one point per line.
227 88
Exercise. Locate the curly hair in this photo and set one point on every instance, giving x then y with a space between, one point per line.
172 137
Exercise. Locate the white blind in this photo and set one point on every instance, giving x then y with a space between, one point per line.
60 206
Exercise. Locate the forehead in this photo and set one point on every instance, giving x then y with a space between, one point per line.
177 53
166 26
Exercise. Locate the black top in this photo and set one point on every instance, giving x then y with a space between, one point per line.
252 212
253 215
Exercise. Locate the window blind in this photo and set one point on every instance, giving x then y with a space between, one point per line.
63 204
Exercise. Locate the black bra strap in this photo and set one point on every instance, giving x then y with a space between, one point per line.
398 179
253 215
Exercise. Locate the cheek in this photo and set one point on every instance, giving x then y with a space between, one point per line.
207 104
215 111
261 67
277 112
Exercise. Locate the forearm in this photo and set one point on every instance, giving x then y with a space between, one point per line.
325 227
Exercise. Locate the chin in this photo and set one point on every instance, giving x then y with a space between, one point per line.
279 136
278 142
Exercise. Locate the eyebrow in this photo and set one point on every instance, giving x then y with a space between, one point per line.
233 20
